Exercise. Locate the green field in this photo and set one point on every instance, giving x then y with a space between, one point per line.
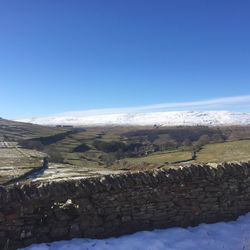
164 157
216 152
228 151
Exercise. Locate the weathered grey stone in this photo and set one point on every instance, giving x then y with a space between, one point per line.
25 234
75 230
1 217
58 232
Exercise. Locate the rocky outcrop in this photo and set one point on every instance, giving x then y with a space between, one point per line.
113 205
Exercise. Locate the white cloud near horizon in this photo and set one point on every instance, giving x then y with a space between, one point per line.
233 103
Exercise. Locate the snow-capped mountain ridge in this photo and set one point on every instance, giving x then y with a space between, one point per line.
211 118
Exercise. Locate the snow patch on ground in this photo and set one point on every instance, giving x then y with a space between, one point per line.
173 118
234 235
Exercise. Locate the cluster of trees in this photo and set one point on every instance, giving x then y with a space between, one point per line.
174 137
116 150
81 148
125 148
109 146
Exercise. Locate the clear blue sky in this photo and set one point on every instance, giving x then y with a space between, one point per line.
64 55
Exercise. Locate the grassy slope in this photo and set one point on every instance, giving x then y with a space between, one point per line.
86 159
15 162
163 157
19 130
217 152
228 151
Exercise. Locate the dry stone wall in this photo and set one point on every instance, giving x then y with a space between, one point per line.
114 205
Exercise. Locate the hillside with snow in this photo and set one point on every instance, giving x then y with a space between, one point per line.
189 118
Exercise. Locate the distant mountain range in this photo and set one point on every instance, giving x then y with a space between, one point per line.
174 118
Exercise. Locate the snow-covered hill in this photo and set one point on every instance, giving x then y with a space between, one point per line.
148 118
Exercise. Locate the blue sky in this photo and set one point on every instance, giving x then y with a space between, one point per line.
66 55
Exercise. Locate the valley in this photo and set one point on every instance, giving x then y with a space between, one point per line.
78 152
